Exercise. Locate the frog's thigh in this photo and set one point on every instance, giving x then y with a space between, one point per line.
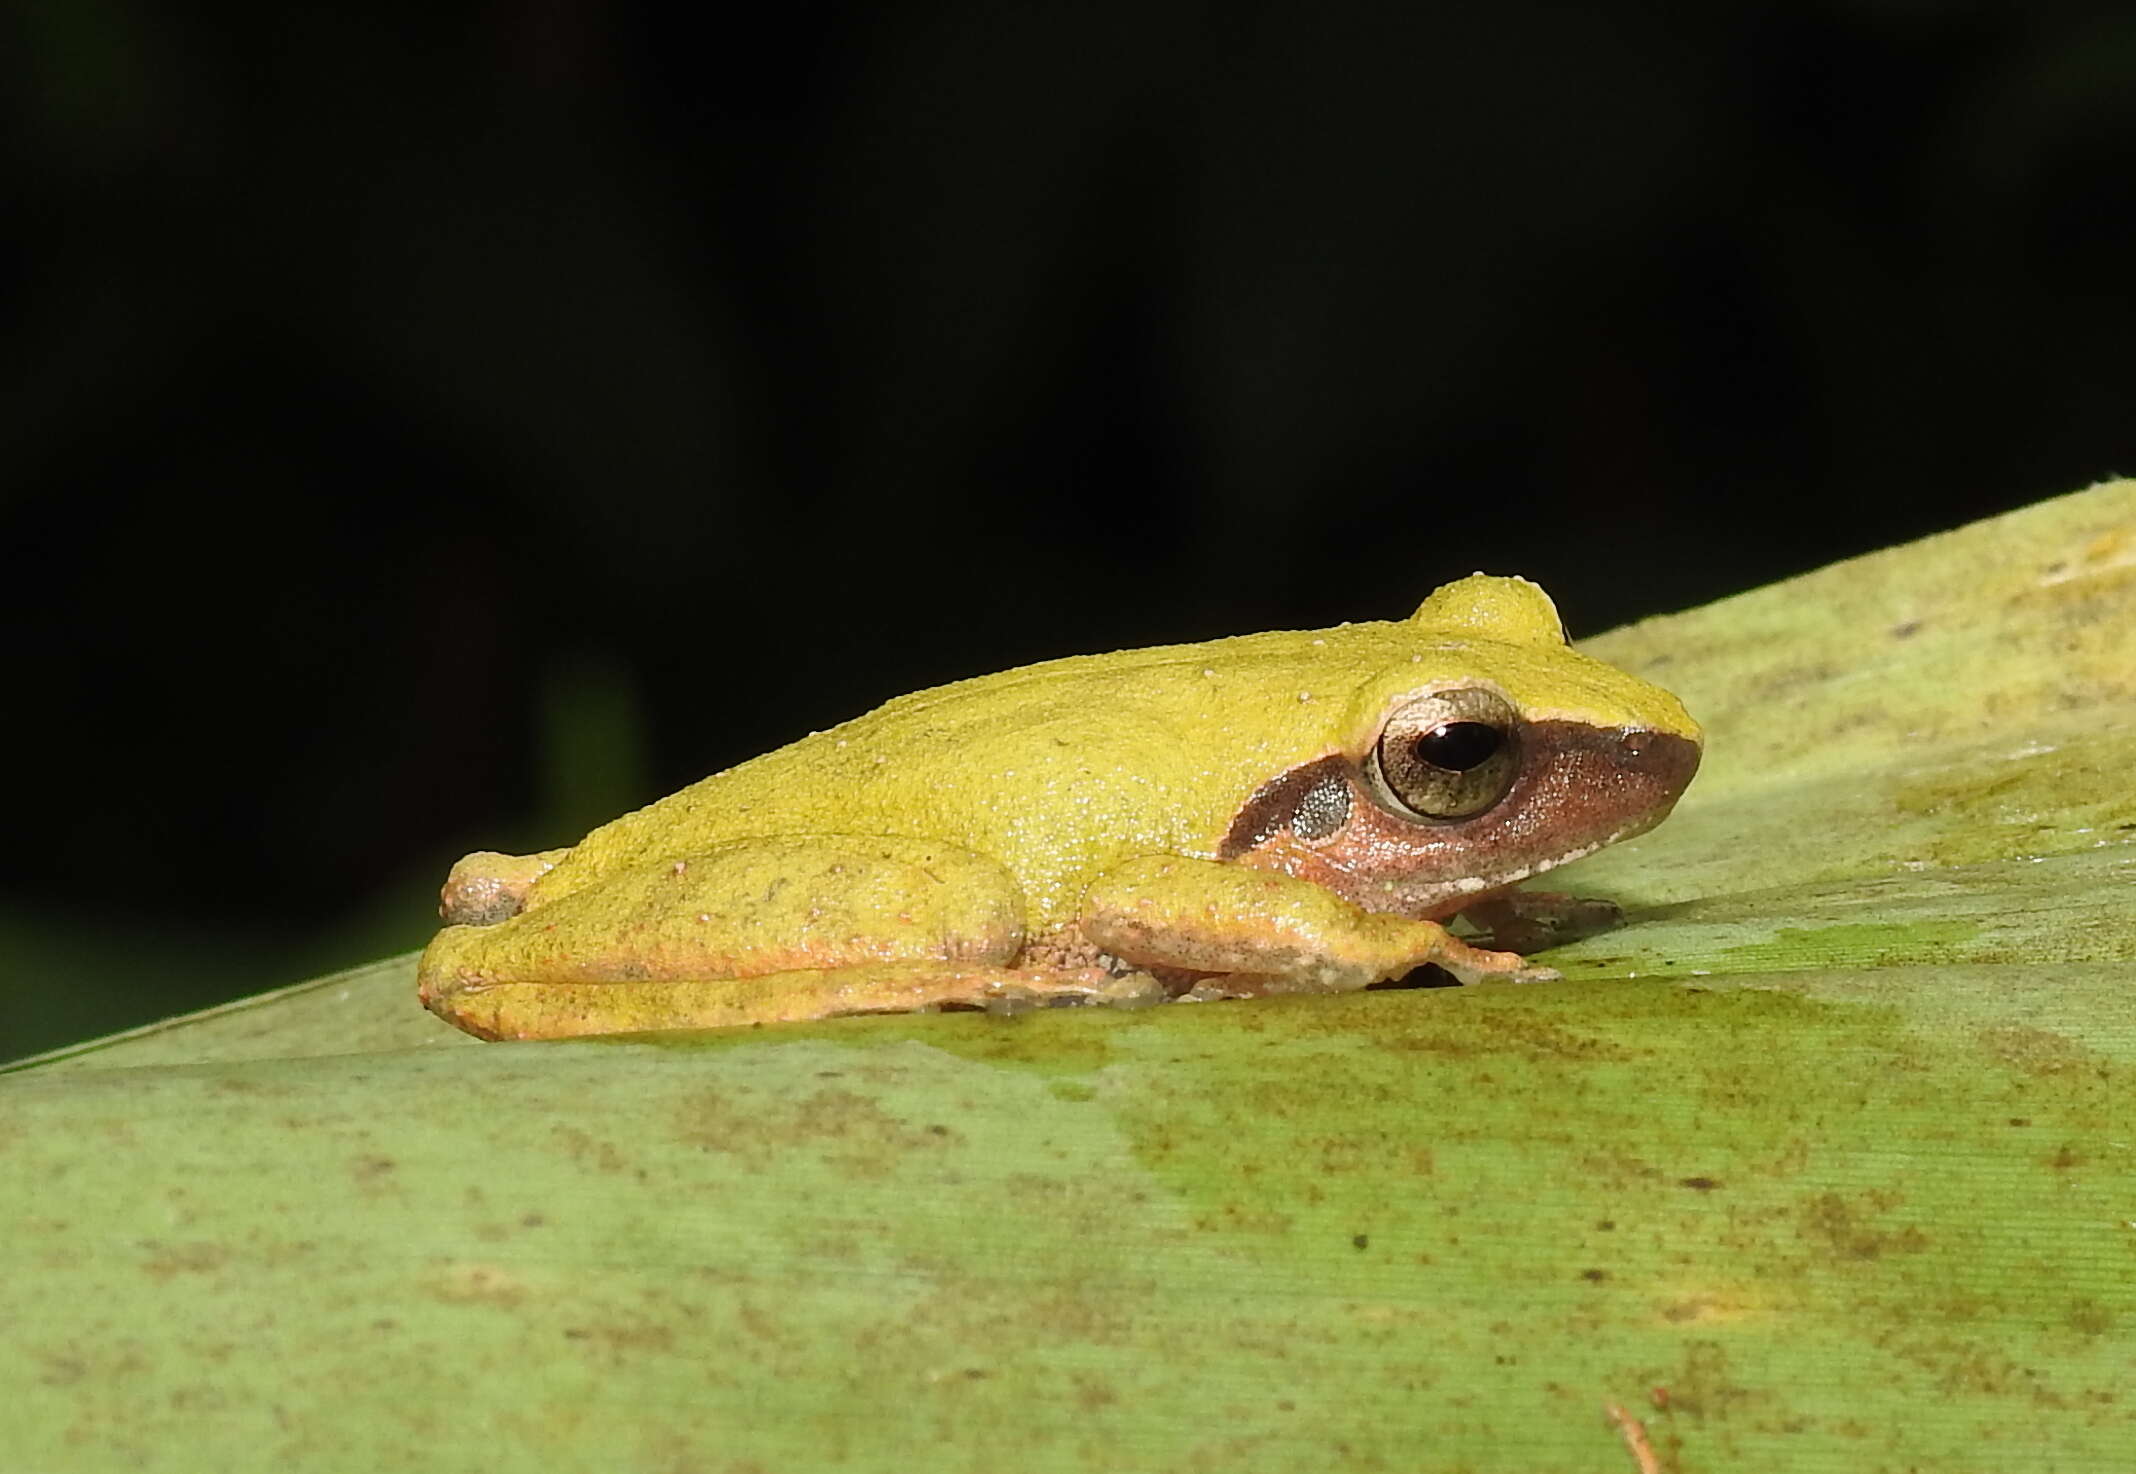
1269 932
565 1010
752 932
747 908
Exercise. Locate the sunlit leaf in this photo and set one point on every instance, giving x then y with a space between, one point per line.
1825 1161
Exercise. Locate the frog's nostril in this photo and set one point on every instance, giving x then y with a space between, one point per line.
1648 745
1662 756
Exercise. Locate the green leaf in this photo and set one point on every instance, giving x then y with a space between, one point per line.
1825 1161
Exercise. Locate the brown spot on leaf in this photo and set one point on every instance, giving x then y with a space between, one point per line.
2037 1052
1093 1393
372 1171
2089 1318
1849 1231
478 1284
167 1260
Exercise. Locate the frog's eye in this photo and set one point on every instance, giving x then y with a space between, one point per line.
1449 755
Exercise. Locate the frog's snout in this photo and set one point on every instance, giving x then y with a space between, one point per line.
1656 767
1668 756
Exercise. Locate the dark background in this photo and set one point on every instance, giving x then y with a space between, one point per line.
427 427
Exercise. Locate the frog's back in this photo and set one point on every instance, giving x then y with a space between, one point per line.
1055 770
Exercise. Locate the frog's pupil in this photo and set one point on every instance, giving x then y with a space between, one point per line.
1459 746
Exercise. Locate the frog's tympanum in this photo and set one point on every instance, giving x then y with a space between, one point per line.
1294 812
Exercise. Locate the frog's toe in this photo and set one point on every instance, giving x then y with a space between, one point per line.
1132 990
1470 973
1012 1001
487 887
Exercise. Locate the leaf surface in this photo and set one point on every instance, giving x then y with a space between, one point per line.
1825 1161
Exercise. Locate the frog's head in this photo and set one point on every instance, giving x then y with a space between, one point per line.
1492 753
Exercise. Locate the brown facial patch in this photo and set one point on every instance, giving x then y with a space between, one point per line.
1579 788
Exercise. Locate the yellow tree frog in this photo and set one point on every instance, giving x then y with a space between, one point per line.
1298 811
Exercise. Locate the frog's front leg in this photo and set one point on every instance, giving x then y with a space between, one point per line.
756 931
1262 932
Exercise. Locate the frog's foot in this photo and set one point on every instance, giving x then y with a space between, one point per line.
1530 921
1467 964
1116 990
486 887
509 1010
1480 965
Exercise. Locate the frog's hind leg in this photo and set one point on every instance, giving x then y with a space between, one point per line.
757 931
565 1010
